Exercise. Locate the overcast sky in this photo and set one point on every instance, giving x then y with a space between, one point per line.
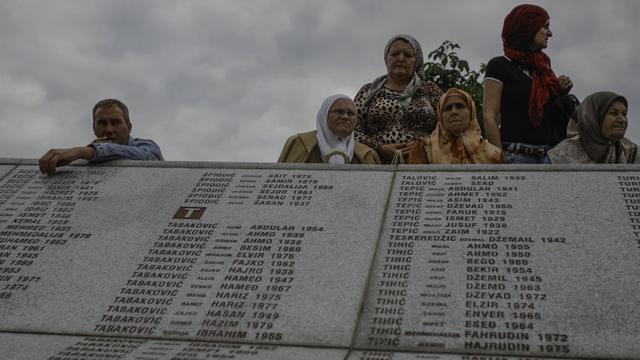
231 80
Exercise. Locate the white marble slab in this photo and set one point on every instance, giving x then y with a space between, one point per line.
496 262
385 355
4 169
263 256
7 189
57 347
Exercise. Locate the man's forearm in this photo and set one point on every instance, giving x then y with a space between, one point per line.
144 151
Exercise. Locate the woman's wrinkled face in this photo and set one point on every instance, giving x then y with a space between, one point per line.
541 40
455 115
341 119
401 60
615 122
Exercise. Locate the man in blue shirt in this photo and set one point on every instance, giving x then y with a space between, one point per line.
112 128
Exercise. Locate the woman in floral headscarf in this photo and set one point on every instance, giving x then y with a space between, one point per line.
526 107
457 138
400 106
598 127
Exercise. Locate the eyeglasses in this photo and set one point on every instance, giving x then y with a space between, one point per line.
341 112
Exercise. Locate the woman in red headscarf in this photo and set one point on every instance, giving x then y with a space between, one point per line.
526 107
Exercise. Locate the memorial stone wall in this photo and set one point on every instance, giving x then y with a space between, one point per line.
151 260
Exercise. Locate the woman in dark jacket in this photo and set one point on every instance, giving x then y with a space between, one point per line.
526 107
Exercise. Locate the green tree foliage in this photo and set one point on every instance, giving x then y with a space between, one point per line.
446 69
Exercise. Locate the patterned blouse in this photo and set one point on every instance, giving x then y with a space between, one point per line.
387 121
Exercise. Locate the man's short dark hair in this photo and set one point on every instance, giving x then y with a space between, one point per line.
107 103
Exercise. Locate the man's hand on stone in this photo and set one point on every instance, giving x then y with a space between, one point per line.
61 157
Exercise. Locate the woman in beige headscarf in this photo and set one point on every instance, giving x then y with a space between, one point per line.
457 138
596 133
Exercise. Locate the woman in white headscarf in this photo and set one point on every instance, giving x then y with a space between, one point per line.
596 133
333 141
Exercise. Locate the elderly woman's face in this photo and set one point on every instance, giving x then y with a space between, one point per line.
615 122
455 115
342 118
401 60
541 40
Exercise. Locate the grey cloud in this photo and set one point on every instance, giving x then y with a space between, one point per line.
229 81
